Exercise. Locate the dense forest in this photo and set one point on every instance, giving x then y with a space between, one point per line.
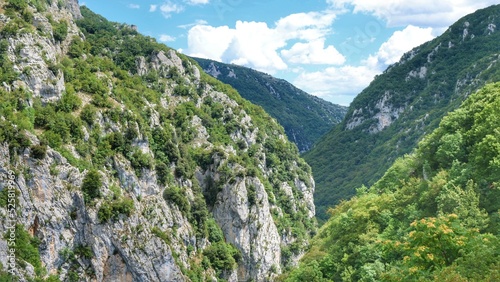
433 216
388 118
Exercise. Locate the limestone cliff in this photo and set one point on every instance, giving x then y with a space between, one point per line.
132 165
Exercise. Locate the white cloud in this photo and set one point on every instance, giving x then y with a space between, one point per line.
399 43
197 22
209 42
313 52
134 6
152 8
342 84
306 26
425 13
338 84
166 38
256 45
168 8
197 2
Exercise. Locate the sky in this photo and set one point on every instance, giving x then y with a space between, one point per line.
328 48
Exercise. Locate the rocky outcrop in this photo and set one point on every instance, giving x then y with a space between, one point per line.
227 161
383 112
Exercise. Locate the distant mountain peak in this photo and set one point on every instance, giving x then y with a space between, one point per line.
304 117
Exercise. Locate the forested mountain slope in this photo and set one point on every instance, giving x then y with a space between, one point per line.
305 117
387 119
433 216
121 161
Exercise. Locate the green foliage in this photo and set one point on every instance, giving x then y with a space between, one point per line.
69 101
26 249
88 114
160 234
140 160
60 30
39 151
348 157
305 117
430 217
112 210
176 195
214 232
91 185
222 256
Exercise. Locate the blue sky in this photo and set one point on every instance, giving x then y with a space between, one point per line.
329 48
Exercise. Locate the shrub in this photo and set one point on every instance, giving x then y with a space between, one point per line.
60 31
26 248
38 151
91 185
88 114
69 102
112 211
105 212
222 256
176 195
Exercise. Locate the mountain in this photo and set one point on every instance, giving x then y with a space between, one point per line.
305 117
408 100
121 160
433 216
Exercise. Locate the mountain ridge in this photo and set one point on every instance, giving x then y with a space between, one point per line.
433 216
131 164
305 117
402 104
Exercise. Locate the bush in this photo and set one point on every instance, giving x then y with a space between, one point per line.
112 211
60 31
89 114
91 185
38 151
69 102
175 195
26 248
222 256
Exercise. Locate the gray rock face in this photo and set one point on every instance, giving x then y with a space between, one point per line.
156 241
250 227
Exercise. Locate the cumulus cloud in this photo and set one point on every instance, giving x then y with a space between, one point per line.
399 43
313 52
339 84
257 45
342 84
425 13
168 8
209 42
166 38
197 2
306 26
134 6
152 8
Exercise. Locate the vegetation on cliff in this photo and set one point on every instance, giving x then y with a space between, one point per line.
433 216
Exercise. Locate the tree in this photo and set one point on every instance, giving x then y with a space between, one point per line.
91 185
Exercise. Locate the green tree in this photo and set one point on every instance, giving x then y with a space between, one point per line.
91 185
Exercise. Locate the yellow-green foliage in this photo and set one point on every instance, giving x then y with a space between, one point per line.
434 215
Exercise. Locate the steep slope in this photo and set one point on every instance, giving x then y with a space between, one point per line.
121 161
433 216
388 117
305 117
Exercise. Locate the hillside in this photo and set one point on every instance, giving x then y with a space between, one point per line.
305 117
433 216
408 100
121 161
